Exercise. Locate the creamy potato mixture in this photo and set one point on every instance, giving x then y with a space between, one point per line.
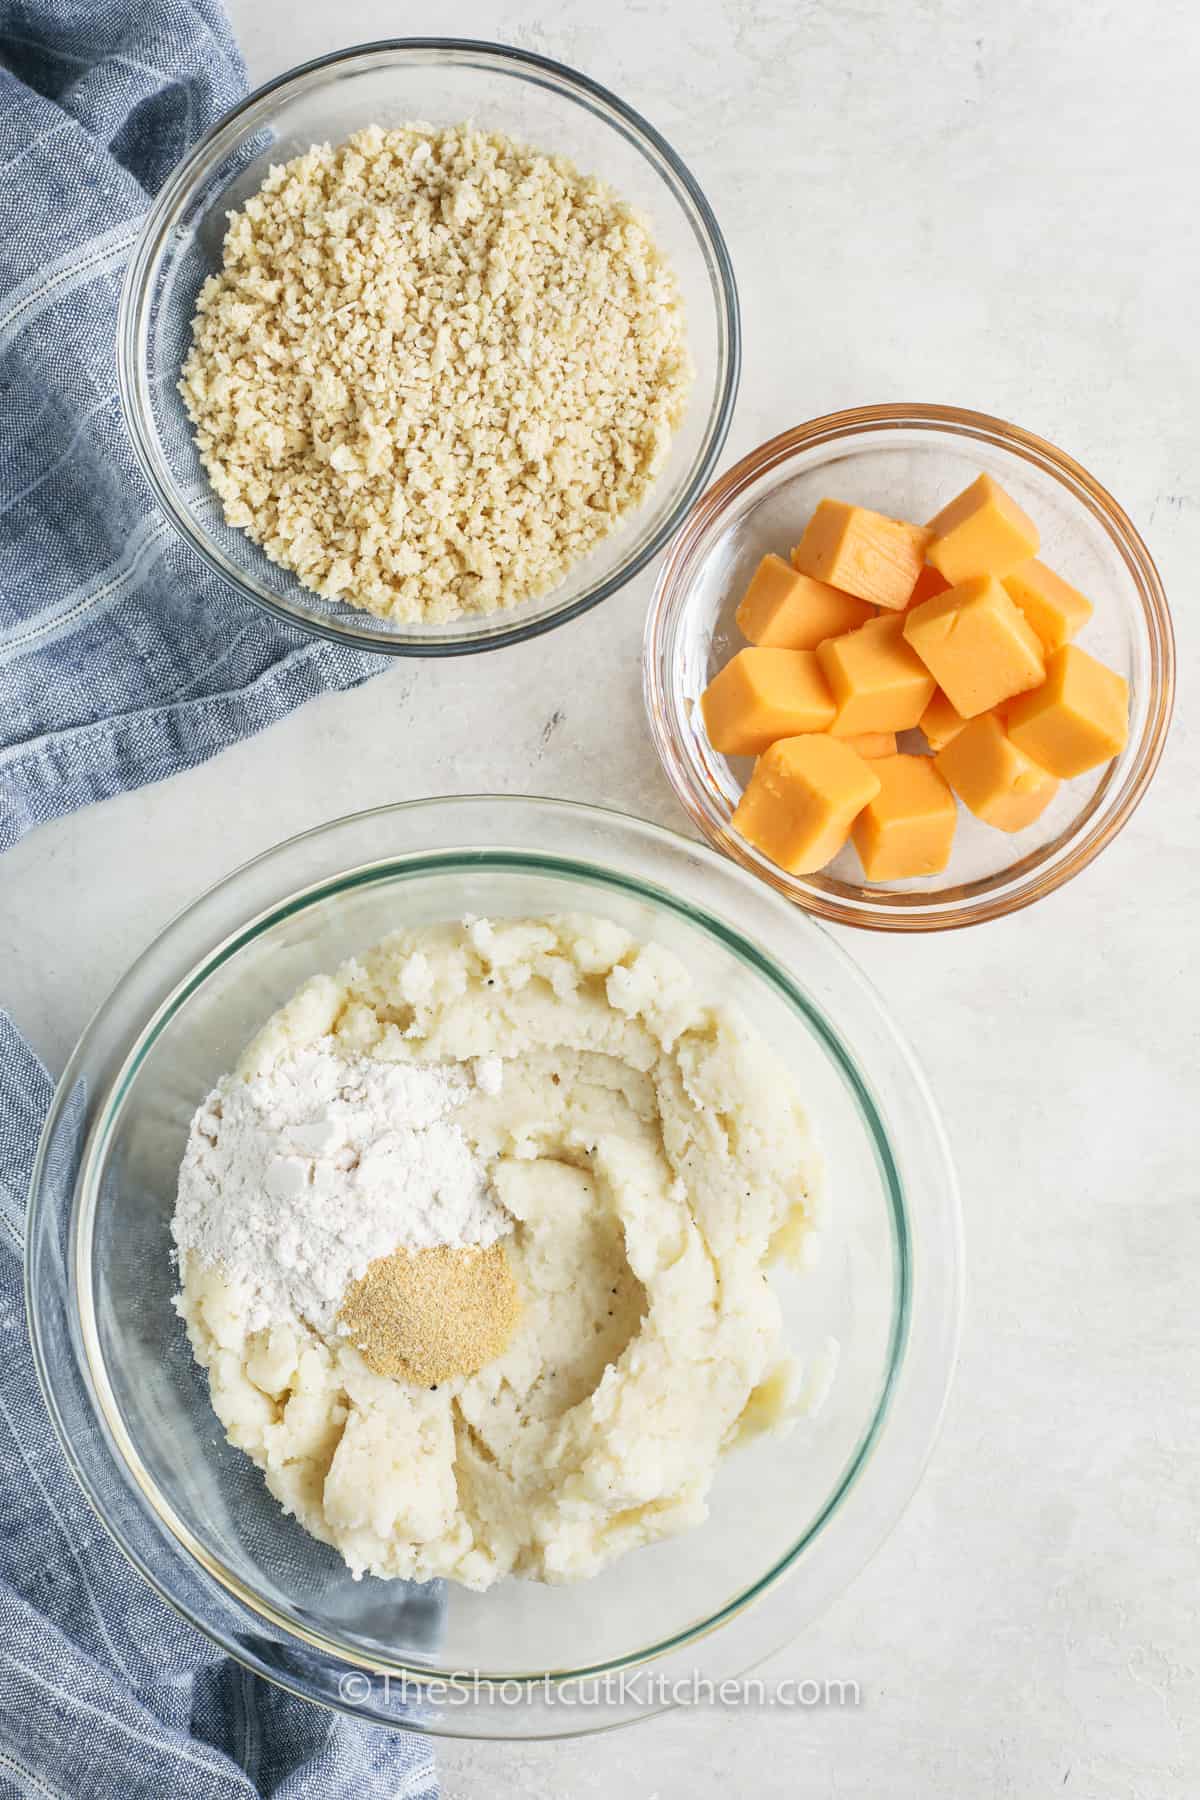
651 1156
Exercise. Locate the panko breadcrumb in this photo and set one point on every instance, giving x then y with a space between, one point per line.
435 368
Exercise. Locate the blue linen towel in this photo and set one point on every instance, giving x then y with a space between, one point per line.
121 661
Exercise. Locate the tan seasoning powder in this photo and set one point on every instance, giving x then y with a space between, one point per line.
427 1315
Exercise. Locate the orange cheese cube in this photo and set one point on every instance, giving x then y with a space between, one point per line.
929 583
908 828
762 695
974 639
873 744
862 552
982 532
802 799
1077 719
1055 609
877 682
1001 785
785 610
941 722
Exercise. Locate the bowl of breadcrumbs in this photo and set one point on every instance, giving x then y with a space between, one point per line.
429 346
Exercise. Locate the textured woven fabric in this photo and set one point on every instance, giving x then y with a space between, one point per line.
121 661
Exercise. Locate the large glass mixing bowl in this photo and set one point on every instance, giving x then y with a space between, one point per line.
792 1519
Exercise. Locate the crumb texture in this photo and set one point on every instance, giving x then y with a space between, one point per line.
435 369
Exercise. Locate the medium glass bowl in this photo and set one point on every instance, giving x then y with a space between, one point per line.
908 461
792 1518
442 81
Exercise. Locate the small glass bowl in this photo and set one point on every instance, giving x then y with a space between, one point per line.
442 81
907 461
792 1519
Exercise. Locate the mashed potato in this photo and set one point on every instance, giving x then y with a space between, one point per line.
653 1154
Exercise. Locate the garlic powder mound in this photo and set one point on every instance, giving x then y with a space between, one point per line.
435 369
429 1315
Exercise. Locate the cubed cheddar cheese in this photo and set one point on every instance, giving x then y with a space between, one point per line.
763 694
876 680
785 610
976 643
941 722
993 777
1077 719
1055 609
929 583
908 828
877 626
981 532
873 744
802 799
862 552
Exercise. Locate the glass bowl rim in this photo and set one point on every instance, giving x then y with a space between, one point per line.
999 895
137 291
107 1107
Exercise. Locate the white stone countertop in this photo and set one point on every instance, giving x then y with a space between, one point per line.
992 204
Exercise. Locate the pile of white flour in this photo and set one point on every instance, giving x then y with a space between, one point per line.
297 1179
